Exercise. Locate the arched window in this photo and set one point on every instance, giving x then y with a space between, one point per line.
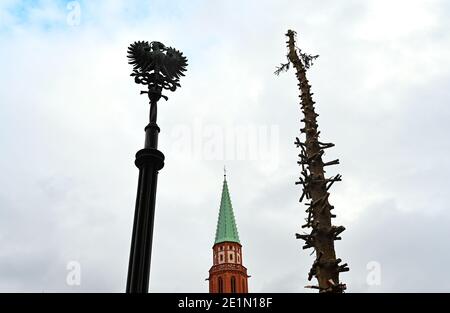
220 283
233 284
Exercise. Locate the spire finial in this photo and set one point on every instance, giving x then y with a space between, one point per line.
224 173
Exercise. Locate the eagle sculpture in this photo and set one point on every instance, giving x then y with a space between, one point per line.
157 66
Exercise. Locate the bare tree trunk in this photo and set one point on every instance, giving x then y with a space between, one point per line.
326 267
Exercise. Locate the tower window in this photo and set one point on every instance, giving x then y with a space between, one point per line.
233 284
231 257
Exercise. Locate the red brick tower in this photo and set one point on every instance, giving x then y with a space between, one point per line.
227 275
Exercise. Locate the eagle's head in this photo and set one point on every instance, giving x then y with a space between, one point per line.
157 46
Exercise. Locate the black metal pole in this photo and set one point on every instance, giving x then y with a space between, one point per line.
149 161
158 67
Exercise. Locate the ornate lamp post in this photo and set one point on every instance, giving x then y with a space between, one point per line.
158 67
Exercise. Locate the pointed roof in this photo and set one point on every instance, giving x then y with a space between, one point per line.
226 224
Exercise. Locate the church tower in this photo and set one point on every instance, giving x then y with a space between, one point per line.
227 275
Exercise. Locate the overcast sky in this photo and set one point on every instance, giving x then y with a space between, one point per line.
72 119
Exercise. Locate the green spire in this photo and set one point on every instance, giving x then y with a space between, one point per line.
226 225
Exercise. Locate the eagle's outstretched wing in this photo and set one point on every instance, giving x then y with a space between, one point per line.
175 63
140 56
